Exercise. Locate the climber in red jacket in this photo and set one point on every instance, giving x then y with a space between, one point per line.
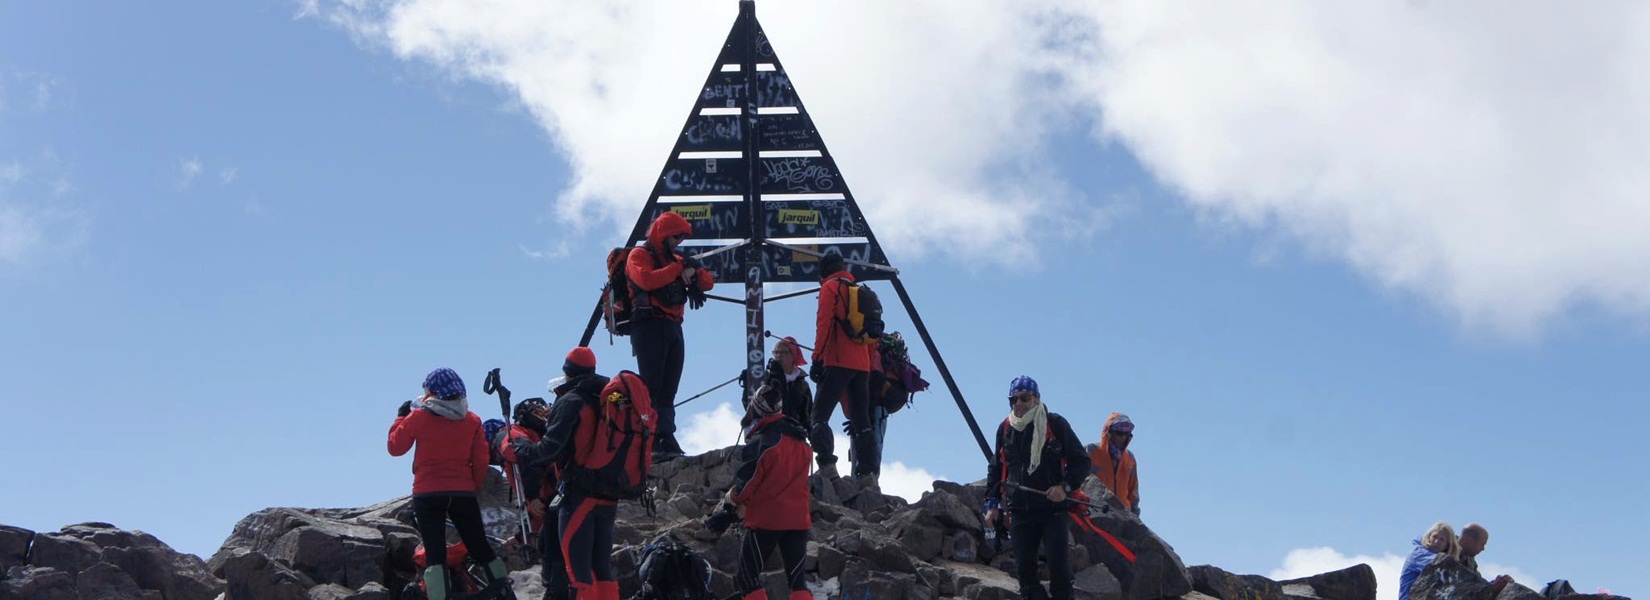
449 466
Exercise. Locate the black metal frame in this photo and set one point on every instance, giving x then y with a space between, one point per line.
746 44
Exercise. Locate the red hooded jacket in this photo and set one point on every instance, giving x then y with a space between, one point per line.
451 456
644 274
832 346
772 480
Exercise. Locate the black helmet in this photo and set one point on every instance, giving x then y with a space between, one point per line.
525 408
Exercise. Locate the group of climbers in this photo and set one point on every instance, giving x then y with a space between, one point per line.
572 460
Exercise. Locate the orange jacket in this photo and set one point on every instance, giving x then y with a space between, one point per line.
832 346
1121 476
642 272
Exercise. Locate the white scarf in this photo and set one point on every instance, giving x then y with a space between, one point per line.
1037 418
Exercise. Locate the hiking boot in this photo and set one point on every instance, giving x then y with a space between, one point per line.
667 448
867 481
435 582
828 471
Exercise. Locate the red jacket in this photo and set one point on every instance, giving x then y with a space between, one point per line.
832 346
642 270
451 455
772 480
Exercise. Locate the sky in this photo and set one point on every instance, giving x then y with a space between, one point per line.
1353 268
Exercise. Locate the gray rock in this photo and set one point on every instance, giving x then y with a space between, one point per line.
33 582
919 532
334 552
1096 583
65 553
176 575
14 546
1228 586
951 511
1356 582
104 581
253 576
831 561
329 591
372 591
1157 571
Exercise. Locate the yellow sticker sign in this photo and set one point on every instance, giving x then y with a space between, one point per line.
798 217
697 212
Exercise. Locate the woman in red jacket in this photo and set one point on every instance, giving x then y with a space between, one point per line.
449 465
772 485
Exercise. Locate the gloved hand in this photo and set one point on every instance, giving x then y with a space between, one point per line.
690 261
525 450
406 409
696 297
816 371
848 428
723 518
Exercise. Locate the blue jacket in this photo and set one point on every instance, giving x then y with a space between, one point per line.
1418 560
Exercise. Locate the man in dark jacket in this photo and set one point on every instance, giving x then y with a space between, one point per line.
664 284
587 573
538 489
1038 461
772 484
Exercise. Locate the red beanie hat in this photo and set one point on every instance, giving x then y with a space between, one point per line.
580 360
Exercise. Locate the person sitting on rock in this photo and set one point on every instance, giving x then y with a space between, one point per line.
1473 539
1038 461
585 520
1113 462
1437 542
449 465
771 483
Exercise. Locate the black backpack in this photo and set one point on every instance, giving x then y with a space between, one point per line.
617 300
672 571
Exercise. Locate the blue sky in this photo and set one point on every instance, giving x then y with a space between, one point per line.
1345 290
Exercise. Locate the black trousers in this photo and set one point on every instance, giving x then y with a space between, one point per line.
431 513
659 348
836 383
587 540
754 551
1047 529
552 568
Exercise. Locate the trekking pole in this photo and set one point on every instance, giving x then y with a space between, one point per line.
1086 523
490 386
770 334
696 396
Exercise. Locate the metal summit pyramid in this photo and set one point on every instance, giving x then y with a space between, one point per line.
767 219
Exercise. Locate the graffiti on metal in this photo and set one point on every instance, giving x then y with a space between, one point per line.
813 218
799 175
703 176
789 132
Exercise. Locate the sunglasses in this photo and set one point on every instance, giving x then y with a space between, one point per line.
1122 434
1021 397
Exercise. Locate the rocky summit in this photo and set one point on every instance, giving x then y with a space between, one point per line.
863 545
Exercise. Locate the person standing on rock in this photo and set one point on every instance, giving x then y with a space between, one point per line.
772 484
538 488
844 371
1473 539
1113 463
588 506
449 465
1038 461
1437 542
664 284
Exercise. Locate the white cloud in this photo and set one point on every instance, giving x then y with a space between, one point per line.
719 428
189 169
227 175
11 173
706 431
1305 562
937 112
1429 145
33 227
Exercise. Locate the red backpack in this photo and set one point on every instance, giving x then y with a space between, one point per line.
612 456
